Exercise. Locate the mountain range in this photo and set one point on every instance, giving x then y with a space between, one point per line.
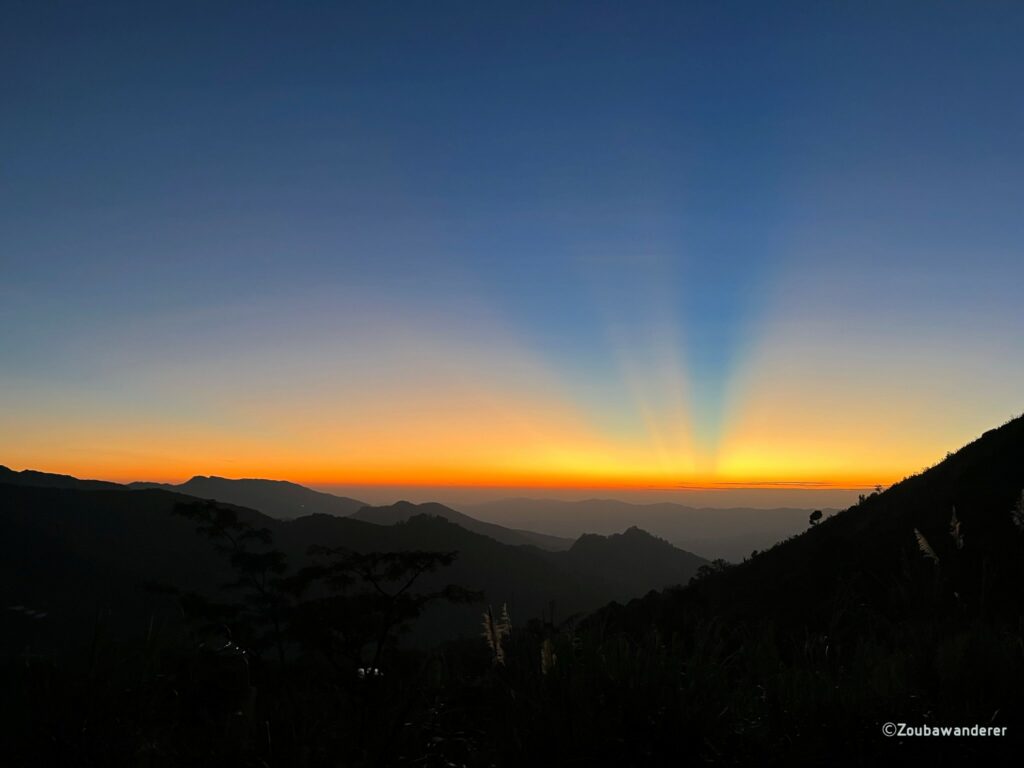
70 549
276 498
727 533
403 510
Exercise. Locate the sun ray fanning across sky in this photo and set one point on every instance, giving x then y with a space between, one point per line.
683 246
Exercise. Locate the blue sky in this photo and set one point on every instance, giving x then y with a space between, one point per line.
617 188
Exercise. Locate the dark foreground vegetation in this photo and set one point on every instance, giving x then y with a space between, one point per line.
898 609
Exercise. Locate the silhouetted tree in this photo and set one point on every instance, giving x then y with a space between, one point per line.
366 600
363 599
266 600
710 569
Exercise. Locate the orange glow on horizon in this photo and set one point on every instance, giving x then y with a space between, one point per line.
406 399
438 478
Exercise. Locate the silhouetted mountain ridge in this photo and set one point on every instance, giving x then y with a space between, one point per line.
730 533
403 510
277 498
31 477
856 557
71 552
637 559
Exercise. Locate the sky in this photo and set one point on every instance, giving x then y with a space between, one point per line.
666 248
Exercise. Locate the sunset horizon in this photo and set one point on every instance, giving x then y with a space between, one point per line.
385 483
603 253
404 384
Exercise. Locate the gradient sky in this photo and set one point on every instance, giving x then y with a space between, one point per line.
603 245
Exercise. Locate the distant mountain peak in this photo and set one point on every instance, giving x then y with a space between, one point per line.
403 510
281 499
633 536
32 477
251 480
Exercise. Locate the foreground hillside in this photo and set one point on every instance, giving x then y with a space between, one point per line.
894 610
864 556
